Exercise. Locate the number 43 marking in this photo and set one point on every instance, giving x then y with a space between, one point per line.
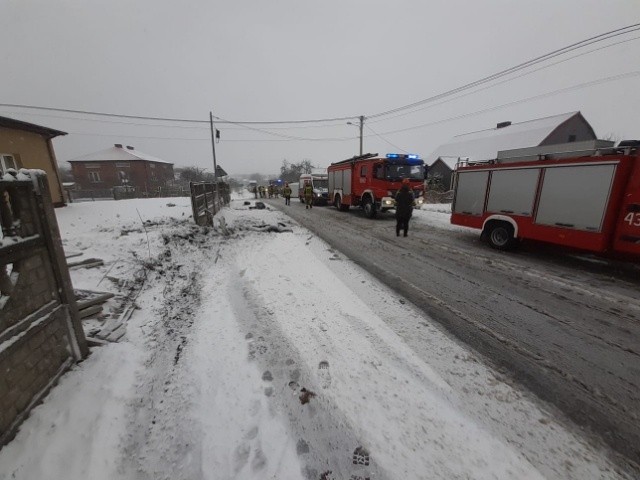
633 219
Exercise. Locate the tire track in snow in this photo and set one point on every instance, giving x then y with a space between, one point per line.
163 440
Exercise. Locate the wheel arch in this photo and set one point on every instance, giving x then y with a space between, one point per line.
501 218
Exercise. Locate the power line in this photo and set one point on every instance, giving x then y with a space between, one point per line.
503 81
415 127
524 100
521 66
384 139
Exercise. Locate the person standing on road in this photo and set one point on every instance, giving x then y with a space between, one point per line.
286 191
308 194
404 208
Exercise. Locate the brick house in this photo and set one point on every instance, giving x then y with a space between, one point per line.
485 144
27 145
121 166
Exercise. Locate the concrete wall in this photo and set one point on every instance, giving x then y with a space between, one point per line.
40 330
32 150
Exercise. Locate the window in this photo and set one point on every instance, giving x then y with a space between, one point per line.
122 164
152 165
94 177
7 162
92 165
363 171
572 138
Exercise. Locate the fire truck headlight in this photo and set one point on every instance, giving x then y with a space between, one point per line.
419 200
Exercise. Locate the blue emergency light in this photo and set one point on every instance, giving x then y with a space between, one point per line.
411 156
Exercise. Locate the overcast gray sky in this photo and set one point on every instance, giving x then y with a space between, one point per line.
275 60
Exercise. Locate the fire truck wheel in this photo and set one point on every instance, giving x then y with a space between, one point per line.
369 207
500 236
339 205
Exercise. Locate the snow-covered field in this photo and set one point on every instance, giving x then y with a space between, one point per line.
257 355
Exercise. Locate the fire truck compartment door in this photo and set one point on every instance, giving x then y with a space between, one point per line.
575 196
513 191
470 193
346 182
340 179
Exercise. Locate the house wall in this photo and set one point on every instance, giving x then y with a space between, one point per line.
441 169
32 150
139 173
577 126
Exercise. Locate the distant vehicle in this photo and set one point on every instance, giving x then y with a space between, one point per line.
320 187
588 199
371 182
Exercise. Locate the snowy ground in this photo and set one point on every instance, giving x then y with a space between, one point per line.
258 355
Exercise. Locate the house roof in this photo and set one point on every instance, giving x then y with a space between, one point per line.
47 132
117 154
484 144
448 161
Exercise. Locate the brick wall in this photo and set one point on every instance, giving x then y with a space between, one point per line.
40 330
141 174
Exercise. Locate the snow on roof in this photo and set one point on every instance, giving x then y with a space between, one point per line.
117 153
484 144
29 127
448 161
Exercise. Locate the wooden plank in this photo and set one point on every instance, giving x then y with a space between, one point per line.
84 262
117 334
87 312
82 304
97 263
96 342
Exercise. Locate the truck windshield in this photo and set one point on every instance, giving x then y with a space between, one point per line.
321 183
397 172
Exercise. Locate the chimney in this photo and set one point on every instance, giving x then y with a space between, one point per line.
503 124
129 147
117 145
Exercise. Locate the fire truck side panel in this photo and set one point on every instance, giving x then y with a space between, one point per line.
340 184
580 203
627 234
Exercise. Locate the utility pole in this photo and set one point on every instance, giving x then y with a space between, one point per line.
215 164
361 127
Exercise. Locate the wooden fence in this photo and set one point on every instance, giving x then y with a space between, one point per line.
207 199
41 334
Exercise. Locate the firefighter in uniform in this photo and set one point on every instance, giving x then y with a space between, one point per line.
404 208
286 191
308 195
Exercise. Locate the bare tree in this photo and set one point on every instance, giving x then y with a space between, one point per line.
612 137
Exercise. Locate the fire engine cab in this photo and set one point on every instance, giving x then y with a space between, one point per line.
585 198
371 182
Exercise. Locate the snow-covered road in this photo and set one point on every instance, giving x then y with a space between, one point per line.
258 355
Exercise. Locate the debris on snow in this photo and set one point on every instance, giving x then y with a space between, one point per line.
305 396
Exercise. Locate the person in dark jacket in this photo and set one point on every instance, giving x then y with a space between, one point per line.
404 208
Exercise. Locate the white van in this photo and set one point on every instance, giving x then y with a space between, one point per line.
320 184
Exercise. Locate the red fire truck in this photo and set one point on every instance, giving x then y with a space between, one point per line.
588 199
371 182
